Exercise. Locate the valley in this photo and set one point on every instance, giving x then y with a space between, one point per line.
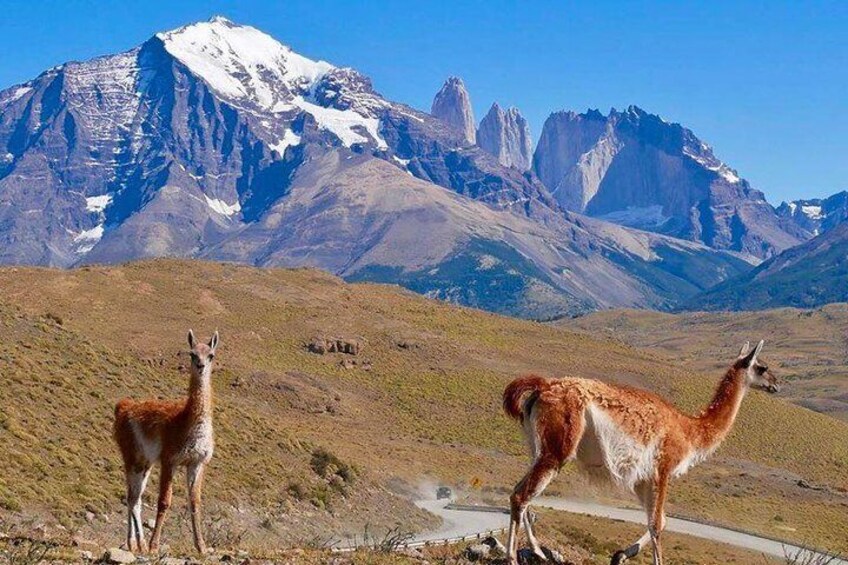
420 404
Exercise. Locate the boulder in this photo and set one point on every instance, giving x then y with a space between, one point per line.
322 345
477 552
117 555
495 545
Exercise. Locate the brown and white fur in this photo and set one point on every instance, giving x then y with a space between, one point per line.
174 434
635 438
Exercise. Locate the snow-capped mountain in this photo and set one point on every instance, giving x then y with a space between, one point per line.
214 140
817 215
212 115
635 169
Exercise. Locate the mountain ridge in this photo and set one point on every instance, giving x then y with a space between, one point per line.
812 274
208 153
636 169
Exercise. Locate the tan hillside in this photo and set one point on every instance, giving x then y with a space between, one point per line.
421 405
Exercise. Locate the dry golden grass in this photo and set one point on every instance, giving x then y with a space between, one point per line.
427 409
580 539
602 537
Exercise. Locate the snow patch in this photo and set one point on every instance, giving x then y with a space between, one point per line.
87 239
713 165
637 217
241 62
94 234
342 122
19 93
413 116
98 204
222 207
727 174
812 212
290 139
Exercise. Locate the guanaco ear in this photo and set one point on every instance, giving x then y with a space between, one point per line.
191 341
213 343
745 349
751 358
758 349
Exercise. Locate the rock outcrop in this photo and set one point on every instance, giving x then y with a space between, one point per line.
636 169
322 345
506 135
453 106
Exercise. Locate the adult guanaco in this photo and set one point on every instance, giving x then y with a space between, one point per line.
174 434
636 438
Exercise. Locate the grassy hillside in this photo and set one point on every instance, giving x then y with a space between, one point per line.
420 406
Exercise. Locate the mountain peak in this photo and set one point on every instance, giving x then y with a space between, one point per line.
506 135
221 20
241 62
454 81
452 104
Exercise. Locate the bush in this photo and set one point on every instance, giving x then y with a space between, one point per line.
297 491
325 465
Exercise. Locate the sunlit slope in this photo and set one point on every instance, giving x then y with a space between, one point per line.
421 404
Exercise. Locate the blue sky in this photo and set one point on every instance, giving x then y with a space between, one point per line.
764 83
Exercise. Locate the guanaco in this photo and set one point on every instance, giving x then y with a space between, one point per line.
172 433
633 437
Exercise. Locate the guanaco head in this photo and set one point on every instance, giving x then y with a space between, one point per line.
757 372
202 354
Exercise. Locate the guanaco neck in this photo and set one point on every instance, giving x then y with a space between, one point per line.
717 419
199 403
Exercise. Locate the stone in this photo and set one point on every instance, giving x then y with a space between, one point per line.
553 556
118 556
477 552
495 545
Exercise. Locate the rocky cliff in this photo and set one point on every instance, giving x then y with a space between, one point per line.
506 135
